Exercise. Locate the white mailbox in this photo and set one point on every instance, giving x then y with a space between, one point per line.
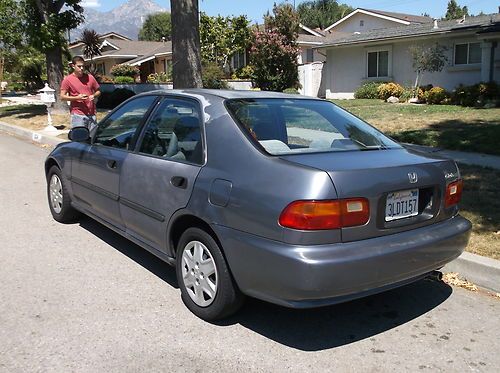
48 97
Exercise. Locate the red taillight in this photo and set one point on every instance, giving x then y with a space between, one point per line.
330 214
453 193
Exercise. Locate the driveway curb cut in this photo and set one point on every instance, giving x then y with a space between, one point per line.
482 271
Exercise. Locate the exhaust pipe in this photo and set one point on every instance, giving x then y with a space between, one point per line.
435 275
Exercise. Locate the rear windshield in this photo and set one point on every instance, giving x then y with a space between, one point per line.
290 126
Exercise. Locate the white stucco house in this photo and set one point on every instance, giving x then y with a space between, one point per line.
369 45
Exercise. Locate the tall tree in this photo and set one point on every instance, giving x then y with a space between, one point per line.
222 37
156 27
274 51
10 31
321 13
91 44
186 44
46 24
455 11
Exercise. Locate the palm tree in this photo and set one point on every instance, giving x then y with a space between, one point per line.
186 44
91 44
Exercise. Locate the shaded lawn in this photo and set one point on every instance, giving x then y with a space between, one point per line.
443 126
481 205
34 117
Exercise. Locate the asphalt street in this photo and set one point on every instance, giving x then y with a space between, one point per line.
81 298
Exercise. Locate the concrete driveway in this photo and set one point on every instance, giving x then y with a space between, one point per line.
81 298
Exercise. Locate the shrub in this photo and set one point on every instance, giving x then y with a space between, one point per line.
124 80
212 77
124 70
291 91
389 89
162 77
476 95
104 79
110 100
246 72
436 95
367 90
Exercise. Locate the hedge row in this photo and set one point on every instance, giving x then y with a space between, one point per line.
477 95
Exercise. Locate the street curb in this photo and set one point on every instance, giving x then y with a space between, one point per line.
35 136
482 271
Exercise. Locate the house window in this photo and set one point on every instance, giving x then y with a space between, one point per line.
378 64
309 55
238 60
361 23
100 69
467 53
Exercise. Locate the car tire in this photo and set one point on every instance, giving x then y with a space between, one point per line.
207 286
58 197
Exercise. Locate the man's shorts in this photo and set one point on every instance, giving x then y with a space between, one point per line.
89 121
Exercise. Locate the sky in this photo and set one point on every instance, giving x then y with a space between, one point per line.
255 9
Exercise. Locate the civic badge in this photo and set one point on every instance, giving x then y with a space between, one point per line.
412 176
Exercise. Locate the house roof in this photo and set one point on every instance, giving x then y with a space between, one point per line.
479 23
115 36
164 50
136 51
402 18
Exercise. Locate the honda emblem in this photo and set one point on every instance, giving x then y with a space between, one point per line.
412 176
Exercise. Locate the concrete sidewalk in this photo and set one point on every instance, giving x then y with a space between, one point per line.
482 271
477 159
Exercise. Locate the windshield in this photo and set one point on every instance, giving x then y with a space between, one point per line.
290 126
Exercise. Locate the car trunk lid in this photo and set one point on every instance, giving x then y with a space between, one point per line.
405 188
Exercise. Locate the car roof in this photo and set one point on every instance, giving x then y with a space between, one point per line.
229 94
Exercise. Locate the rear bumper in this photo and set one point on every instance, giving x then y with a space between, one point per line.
311 276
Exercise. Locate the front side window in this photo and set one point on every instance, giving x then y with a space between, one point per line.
174 131
378 64
467 53
120 128
290 126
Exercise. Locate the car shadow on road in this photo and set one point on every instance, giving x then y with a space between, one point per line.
309 329
142 257
341 324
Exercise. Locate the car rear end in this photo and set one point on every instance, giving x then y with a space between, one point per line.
392 216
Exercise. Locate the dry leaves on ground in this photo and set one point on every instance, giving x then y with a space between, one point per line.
454 279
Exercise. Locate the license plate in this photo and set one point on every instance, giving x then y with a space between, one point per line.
402 204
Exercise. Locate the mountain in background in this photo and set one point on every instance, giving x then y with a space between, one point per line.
126 19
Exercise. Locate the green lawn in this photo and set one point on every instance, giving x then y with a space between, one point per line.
444 126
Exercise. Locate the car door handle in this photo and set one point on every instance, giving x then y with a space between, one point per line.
112 163
179 182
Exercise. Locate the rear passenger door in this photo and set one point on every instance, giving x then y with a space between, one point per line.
158 178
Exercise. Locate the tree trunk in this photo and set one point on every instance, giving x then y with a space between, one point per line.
186 44
55 75
2 61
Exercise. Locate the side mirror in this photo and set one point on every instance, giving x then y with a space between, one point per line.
79 134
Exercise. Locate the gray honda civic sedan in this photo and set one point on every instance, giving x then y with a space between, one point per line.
284 198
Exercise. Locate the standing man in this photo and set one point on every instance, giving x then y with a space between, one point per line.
81 90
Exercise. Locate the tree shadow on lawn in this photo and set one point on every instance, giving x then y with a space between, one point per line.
481 136
24 111
480 196
307 329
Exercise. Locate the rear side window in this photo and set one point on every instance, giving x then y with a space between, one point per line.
286 126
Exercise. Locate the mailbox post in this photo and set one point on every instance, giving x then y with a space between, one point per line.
47 97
